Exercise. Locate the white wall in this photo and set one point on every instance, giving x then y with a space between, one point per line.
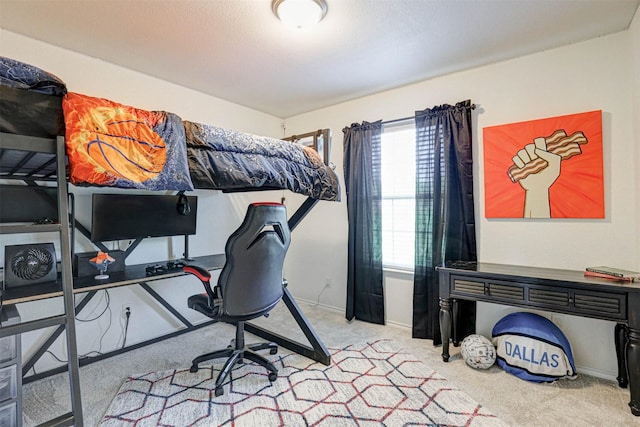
218 214
587 76
634 34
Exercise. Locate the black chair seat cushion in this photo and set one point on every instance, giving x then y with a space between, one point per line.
200 303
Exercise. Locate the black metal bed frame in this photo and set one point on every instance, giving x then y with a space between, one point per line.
21 169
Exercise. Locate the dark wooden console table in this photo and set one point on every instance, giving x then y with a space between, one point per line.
560 291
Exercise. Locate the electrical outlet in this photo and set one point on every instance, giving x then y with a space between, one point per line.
328 282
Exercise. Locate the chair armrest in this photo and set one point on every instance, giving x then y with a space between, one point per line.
199 272
204 276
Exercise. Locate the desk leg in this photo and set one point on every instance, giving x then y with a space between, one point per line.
445 326
633 369
317 351
621 333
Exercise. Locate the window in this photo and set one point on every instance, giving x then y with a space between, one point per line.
398 195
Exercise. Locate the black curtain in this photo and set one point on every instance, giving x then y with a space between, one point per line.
445 224
365 298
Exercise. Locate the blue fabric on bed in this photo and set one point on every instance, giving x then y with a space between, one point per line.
224 159
30 100
19 75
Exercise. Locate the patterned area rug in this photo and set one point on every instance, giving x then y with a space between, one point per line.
371 384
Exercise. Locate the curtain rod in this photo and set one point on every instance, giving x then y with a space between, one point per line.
388 122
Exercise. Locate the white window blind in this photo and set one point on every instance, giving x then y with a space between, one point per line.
398 195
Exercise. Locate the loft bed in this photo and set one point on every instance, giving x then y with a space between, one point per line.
113 145
107 144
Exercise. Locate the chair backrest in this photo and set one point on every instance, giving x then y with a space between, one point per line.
251 279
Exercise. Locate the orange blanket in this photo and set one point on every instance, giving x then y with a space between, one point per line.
111 144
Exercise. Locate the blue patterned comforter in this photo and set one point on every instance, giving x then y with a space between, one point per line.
224 159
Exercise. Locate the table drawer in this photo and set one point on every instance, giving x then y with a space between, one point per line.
470 287
506 292
614 305
599 304
550 298
490 290
604 305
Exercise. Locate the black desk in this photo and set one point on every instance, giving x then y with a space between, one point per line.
132 274
136 275
561 291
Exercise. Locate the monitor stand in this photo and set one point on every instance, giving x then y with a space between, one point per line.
185 255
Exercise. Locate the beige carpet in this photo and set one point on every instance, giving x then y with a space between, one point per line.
586 401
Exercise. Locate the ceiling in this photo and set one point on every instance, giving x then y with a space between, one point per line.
238 51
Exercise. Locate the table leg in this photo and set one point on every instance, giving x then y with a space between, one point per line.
633 369
445 326
455 316
621 353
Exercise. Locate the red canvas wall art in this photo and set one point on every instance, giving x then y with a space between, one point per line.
547 168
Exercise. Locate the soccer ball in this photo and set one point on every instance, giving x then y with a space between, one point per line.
478 352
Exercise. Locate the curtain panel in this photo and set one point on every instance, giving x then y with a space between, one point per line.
362 171
445 223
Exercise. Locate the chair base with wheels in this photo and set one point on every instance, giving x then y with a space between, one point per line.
249 286
235 353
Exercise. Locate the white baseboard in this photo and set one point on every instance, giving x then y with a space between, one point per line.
605 375
317 304
398 325
340 310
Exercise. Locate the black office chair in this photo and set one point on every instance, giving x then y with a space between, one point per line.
249 286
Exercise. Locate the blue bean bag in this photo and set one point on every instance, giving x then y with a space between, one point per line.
532 348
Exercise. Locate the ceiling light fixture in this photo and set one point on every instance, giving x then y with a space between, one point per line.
299 14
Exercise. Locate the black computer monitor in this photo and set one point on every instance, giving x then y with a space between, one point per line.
124 216
22 203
